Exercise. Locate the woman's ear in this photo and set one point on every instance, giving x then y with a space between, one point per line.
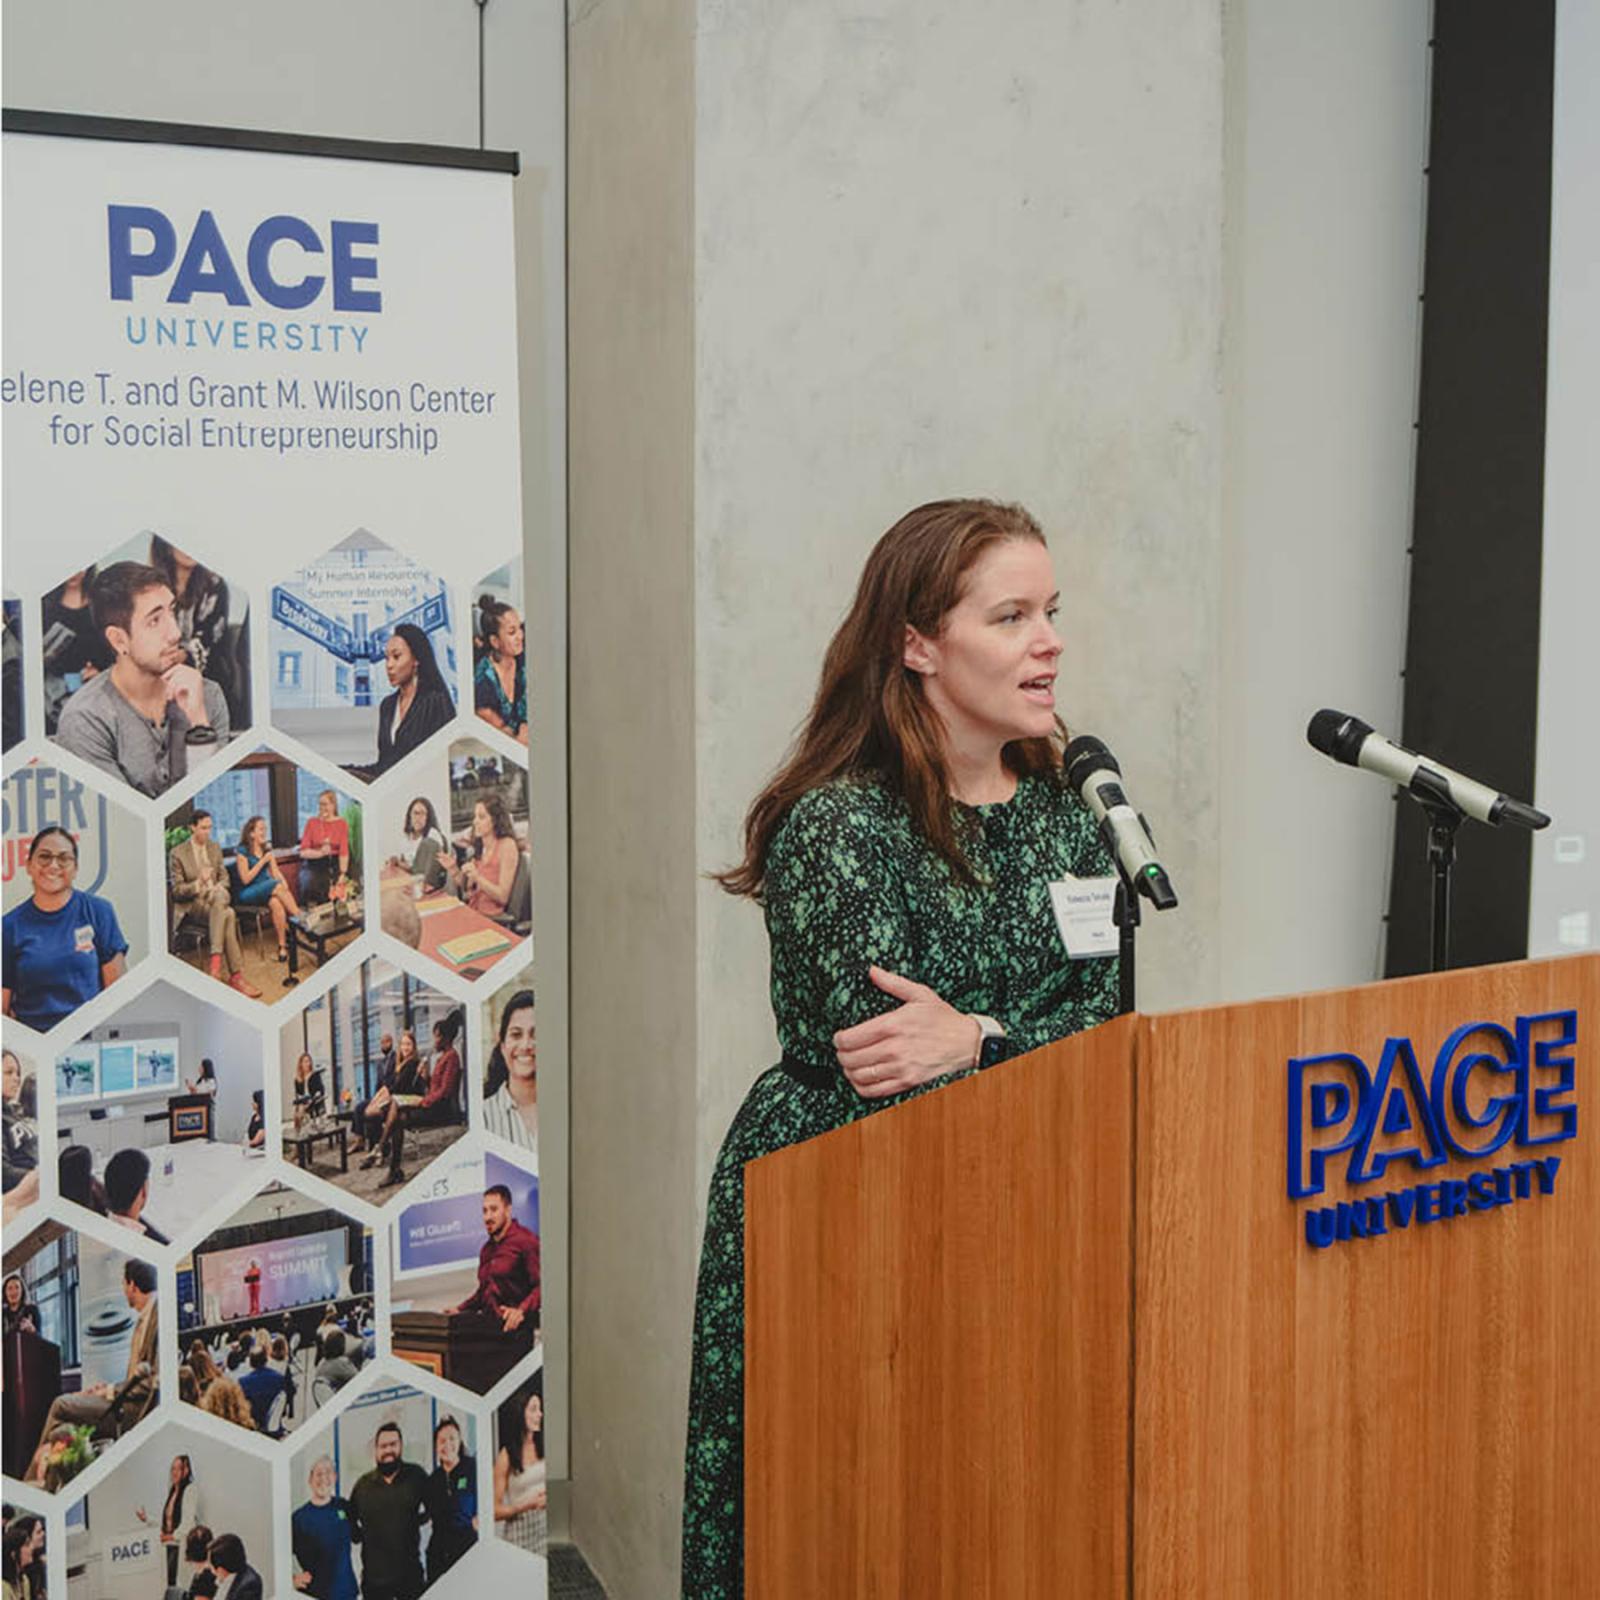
919 654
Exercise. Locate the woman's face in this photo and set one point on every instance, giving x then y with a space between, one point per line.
517 1044
399 662
322 1481
258 836
990 671
53 865
176 1474
481 825
533 1414
327 806
12 1076
13 1293
447 1447
408 1046
419 816
508 634
303 1067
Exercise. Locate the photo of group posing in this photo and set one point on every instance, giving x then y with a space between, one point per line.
364 652
185 1516
146 663
160 1112
372 1079
80 1352
387 1498
275 1313
263 875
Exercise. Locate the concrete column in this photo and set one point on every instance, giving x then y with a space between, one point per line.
828 262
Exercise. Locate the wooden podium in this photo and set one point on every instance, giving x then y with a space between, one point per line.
1060 1328
466 1347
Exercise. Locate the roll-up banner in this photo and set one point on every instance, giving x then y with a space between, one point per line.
267 728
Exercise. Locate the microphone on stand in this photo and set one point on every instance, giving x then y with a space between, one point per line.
1352 741
1092 770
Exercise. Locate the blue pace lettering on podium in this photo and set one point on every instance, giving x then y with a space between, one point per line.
1490 1086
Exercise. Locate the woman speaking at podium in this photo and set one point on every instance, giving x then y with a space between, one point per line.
902 856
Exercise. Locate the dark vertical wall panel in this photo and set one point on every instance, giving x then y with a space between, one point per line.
1472 643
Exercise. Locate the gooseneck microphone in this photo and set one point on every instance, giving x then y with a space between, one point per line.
1092 770
1352 741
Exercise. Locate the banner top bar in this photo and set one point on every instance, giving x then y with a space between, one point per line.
69 125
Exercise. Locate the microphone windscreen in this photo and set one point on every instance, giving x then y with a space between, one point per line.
1337 734
1086 754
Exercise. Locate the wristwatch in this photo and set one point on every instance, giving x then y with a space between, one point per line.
991 1041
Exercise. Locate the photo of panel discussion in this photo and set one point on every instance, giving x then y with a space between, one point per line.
465 1281
174 1520
263 875
21 1167
149 638
373 1080
385 1501
457 874
159 1112
275 1313
81 1352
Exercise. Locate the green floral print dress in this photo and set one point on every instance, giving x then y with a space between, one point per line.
850 884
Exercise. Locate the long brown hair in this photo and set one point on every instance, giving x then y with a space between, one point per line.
870 714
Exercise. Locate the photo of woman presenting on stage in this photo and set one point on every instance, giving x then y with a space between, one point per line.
902 856
180 1512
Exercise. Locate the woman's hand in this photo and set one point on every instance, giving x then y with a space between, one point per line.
923 1038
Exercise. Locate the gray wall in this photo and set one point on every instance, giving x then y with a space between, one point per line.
1151 270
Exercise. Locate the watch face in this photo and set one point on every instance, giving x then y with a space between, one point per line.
994 1046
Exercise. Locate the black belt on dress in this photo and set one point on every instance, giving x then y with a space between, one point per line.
808 1076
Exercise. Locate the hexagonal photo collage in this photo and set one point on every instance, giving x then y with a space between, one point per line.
273 1293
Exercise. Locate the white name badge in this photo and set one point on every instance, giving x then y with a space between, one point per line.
1083 909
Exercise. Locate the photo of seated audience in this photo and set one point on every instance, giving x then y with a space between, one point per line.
372 1077
457 873
499 655
466 1290
22 1558
154 1110
146 663
81 1352
363 645
511 1073
263 875
170 1520
386 1499
275 1312
21 1168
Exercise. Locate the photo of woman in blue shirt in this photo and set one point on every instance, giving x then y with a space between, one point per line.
62 946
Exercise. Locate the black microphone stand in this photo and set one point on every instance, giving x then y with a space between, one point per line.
1125 914
1444 818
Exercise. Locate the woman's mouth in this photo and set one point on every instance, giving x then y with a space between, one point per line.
1042 689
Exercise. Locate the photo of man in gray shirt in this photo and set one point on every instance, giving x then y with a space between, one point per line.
138 719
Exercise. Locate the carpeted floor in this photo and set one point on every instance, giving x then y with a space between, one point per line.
570 1577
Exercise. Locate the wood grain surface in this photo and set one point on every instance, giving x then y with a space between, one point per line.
938 1341
1415 1414
1056 1330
